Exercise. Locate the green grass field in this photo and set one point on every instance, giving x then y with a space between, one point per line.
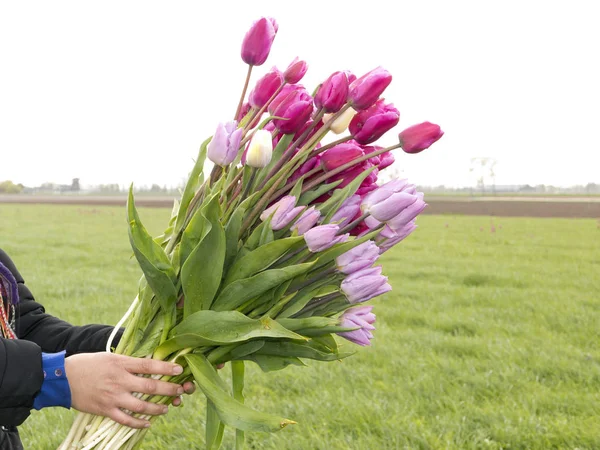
490 340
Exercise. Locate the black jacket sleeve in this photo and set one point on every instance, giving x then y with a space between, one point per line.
21 373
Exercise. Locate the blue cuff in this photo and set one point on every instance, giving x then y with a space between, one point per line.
55 389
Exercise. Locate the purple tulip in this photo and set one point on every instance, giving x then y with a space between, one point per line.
258 40
392 238
419 137
265 88
365 91
295 71
282 212
322 237
333 93
224 146
359 317
307 220
408 214
349 209
341 154
365 284
294 111
370 124
360 257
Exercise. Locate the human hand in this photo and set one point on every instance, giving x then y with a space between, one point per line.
102 383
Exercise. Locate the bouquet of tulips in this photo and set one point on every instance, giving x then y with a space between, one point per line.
271 256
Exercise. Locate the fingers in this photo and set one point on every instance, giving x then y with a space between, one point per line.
189 387
177 401
150 366
153 387
135 405
125 419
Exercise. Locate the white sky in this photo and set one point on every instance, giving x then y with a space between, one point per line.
121 91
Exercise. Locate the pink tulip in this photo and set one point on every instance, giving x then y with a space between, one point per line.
294 111
370 124
333 93
385 160
322 237
295 71
265 88
361 318
365 91
244 111
340 154
419 137
258 40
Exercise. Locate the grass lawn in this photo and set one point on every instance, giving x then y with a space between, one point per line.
490 339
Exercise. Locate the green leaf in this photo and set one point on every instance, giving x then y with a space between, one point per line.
301 299
232 233
329 208
237 380
300 350
214 427
240 291
210 328
196 230
246 349
151 337
270 363
260 259
313 326
309 196
192 185
253 242
297 189
151 257
230 411
202 271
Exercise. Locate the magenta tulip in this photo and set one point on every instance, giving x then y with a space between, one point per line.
295 71
385 160
245 110
294 111
307 220
282 212
365 284
265 88
258 40
360 257
333 93
361 318
322 237
419 137
224 146
365 91
341 154
370 124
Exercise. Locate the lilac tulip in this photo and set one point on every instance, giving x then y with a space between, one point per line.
390 207
307 220
341 154
294 111
333 93
265 88
224 146
282 212
370 124
365 284
258 40
408 214
365 91
360 257
347 211
359 317
392 238
295 71
322 237
419 137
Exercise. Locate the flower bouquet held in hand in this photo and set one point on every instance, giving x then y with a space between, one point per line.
272 254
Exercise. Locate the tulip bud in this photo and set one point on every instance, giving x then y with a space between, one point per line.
347 211
370 124
385 160
307 220
408 214
393 238
322 237
282 212
419 137
359 317
258 40
333 93
265 88
295 71
365 91
339 125
244 111
293 111
260 149
224 146
340 154
360 257
390 207
365 284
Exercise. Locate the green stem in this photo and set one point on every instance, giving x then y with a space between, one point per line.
237 378
241 102
353 224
